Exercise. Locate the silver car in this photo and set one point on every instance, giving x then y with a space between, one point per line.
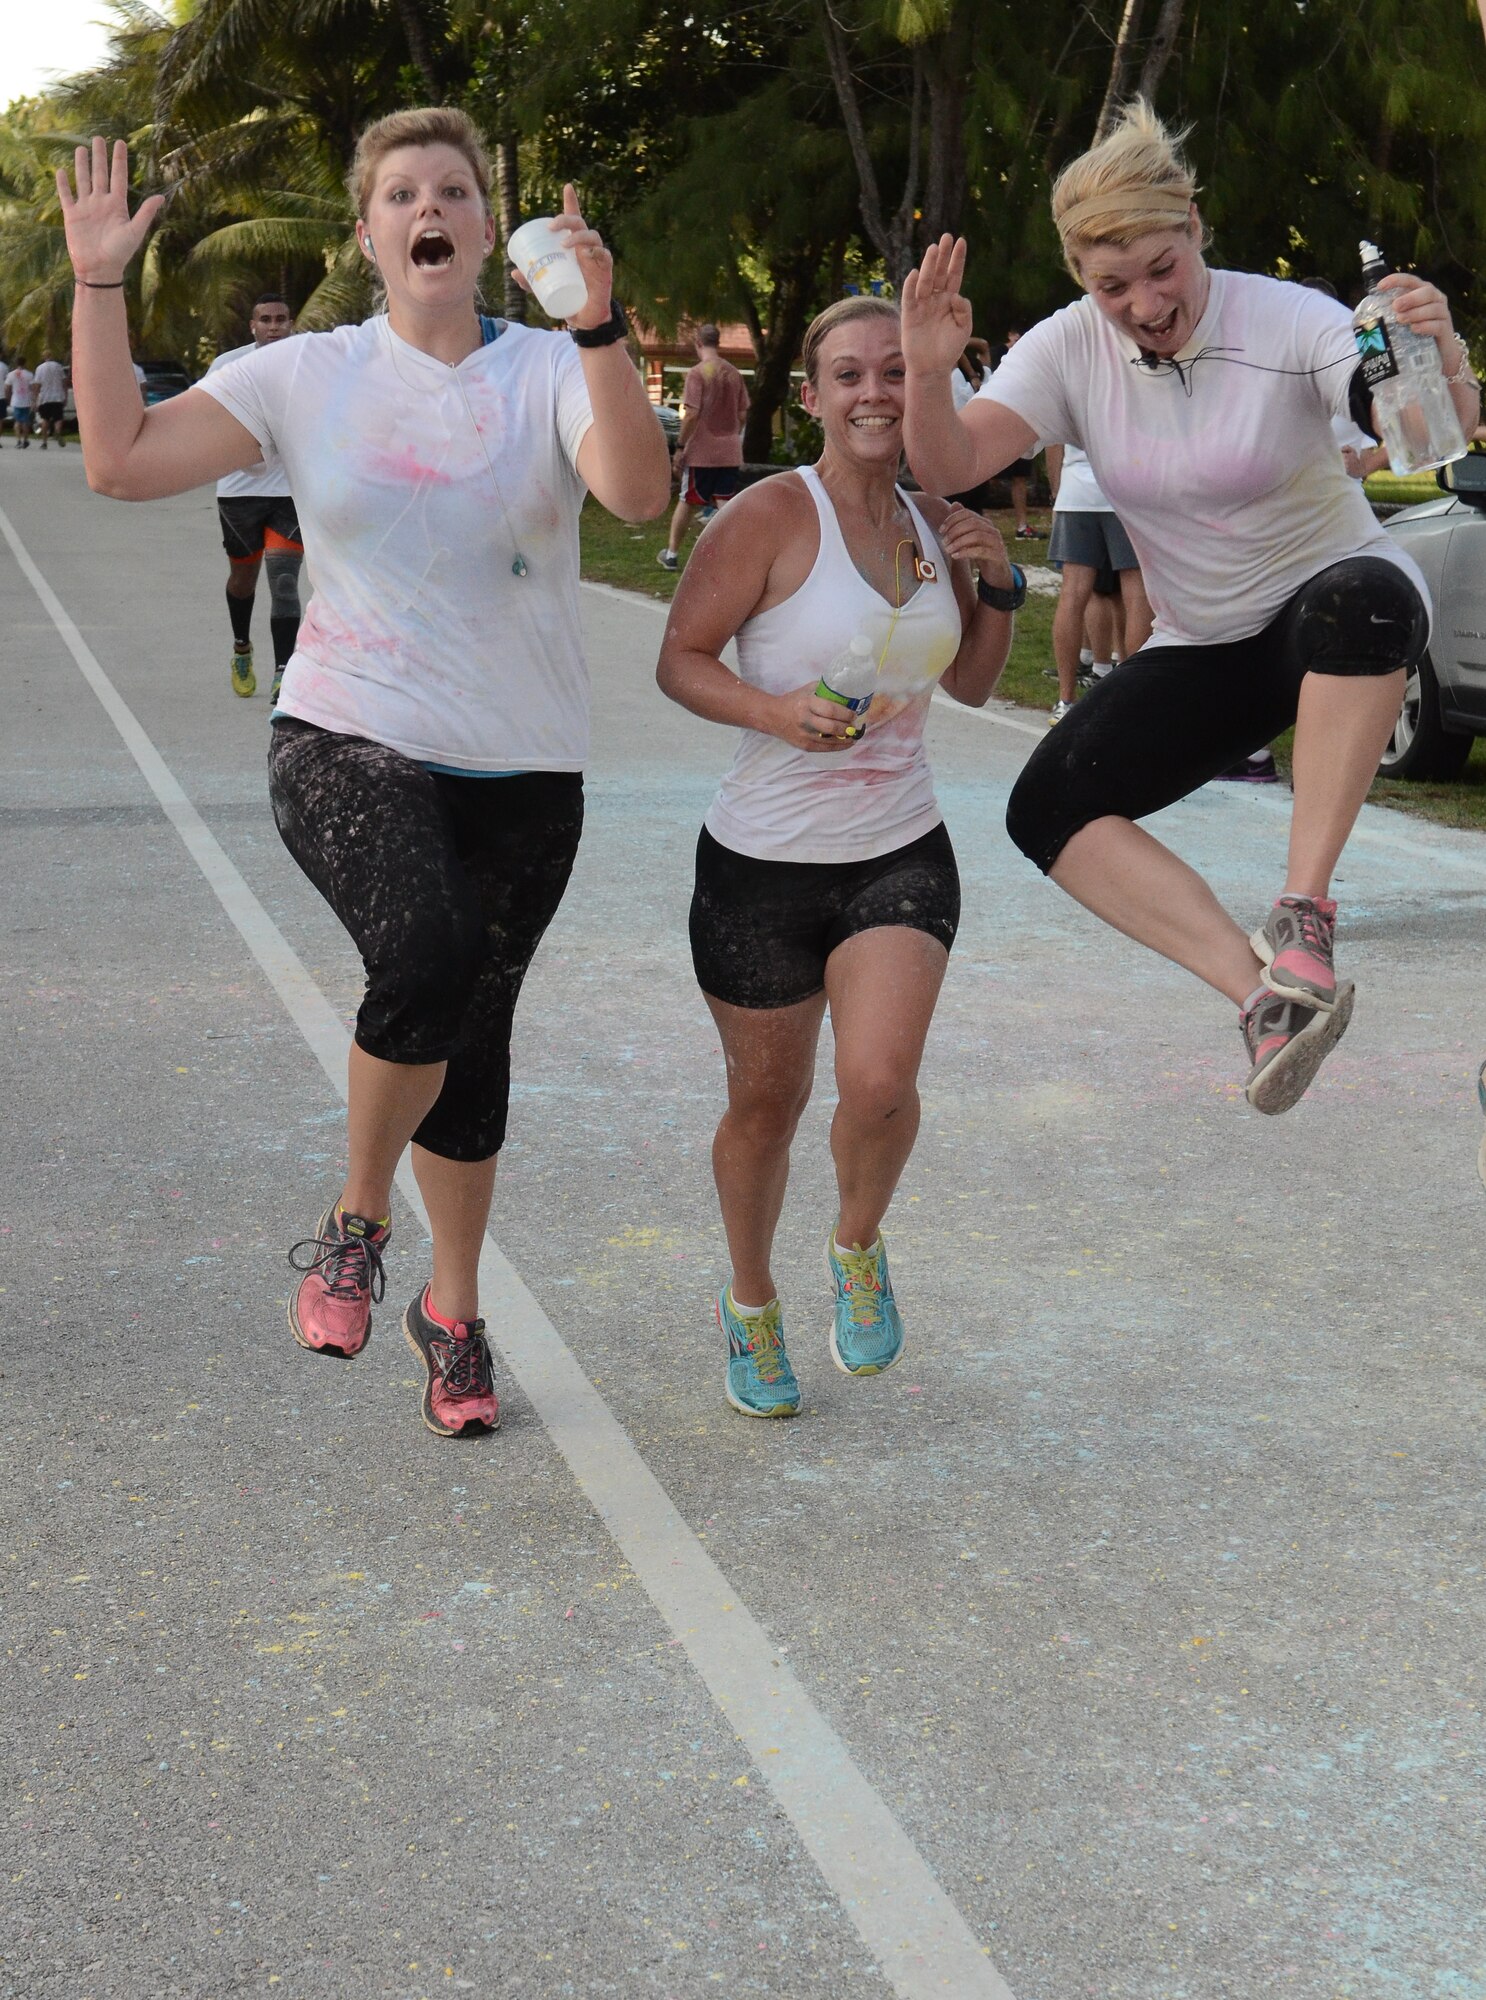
1444 705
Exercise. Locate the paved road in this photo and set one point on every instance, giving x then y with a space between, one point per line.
1124 1641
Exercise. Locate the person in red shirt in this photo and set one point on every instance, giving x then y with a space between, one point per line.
709 450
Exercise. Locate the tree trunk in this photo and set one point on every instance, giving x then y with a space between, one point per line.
415 34
948 66
1163 42
894 241
508 217
777 344
1120 66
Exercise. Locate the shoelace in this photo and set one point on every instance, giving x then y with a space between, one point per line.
1316 931
766 1347
862 1284
463 1366
349 1265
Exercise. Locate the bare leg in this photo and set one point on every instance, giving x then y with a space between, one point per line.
1068 625
1019 502
1124 875
681 522
1138 615
458 1194
1340 733
1102 622
386 1104
883 985
242 577
770 1056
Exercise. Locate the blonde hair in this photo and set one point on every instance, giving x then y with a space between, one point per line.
1132 183
869 306
429 125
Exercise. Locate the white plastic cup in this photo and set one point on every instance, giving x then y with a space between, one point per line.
541 254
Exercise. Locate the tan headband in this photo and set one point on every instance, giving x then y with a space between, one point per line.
1080 219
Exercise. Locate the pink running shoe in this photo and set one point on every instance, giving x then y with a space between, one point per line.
1287 1044
459 1396
1294 945
344 1278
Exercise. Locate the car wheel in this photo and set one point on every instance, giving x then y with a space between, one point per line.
1420 746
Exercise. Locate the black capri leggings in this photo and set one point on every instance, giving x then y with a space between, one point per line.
446 885
1174 716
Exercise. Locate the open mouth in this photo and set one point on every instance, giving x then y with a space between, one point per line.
1161 329
873 423
432 250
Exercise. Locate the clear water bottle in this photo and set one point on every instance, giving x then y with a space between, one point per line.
1402 369
851 679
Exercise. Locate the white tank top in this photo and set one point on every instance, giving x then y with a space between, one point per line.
781 804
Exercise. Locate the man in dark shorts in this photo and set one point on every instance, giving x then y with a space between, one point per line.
51 399
709 450
260 525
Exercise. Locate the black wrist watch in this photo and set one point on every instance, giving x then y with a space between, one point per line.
1003 600
615 327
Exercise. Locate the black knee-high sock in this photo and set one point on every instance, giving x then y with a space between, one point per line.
240 611
285 631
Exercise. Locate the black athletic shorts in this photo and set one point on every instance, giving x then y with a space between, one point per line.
446 885
51 413
257 524
1175 716
761 931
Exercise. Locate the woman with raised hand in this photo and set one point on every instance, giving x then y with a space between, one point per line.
824 875
1204 400
428 742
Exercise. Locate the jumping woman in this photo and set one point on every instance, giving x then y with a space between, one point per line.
428 741
1204 400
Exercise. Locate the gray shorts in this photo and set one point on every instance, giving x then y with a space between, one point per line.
1095 540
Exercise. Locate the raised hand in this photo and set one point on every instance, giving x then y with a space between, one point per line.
595 260
102 236
972 538
936 319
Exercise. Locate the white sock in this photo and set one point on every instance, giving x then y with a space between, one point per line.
1085 657
746 1312
1103 667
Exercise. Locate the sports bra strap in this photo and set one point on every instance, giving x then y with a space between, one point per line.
490 329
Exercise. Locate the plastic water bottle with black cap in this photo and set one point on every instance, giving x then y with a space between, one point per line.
851 679
1406 379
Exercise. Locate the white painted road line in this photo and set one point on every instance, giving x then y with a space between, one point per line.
919 1939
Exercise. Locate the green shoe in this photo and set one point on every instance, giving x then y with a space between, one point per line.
760 1381
867 1335
244 680
278 682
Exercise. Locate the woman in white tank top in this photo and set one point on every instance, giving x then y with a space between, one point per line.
824 873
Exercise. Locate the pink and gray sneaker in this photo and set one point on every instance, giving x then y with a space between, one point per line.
344 1278
459 1396
1287 1044
1294 945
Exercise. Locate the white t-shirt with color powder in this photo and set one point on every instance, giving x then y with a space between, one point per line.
19 384
1223 468
267 481
419 636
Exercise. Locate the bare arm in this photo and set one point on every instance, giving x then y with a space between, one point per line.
974 545
623 459
724 584
1425 309
131 453
1055 469
949 452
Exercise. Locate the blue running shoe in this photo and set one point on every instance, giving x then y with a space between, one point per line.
761 1382
868 1332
